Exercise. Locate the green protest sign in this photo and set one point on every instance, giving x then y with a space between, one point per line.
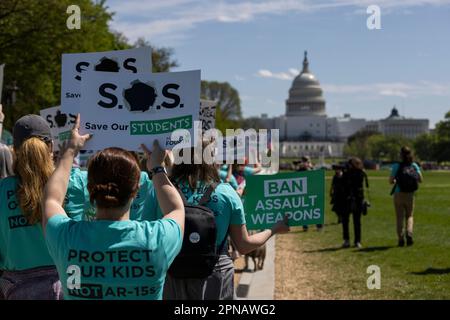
300 195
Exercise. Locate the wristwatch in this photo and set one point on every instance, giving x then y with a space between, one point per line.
159 169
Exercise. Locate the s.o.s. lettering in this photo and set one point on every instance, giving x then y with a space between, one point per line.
106 64
139 97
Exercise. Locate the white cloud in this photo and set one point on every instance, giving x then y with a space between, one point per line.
289 75
395 89
150 19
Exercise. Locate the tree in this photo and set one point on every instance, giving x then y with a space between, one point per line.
226 96
161 57
442 144
34 35
387 147
424 146
443 127
358 146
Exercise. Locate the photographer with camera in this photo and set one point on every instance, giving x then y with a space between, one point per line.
355 178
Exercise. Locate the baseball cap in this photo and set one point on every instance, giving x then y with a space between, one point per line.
30 126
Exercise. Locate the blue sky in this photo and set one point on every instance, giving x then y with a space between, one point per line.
257 46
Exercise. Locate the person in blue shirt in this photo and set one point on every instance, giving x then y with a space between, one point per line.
405 176
112 257
29 271
226 176
193 181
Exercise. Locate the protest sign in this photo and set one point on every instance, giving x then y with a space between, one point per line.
241 146
300 195
130 109
76 65
60 124
2 67
208 114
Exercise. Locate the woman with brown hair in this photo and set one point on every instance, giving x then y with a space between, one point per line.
199 184
354 180
29 270
112 257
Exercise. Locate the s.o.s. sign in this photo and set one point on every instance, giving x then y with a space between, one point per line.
127 110
76 65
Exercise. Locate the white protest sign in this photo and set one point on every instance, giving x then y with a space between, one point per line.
2 67
130 109
60 124
76 65
241 146
207 114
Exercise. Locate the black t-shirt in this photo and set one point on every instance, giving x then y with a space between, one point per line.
354 182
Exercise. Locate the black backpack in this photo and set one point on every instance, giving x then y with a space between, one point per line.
407 178
199 253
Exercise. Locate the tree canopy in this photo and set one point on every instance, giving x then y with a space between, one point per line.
34 35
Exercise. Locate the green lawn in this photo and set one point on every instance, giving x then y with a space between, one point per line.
418 272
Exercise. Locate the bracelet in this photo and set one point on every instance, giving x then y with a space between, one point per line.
159 169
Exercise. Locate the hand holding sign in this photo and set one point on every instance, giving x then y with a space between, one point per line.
281 226
77 141
2 116
156 157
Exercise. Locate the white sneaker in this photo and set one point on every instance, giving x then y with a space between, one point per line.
358 245
346 244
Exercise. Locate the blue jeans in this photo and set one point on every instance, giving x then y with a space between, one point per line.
31 284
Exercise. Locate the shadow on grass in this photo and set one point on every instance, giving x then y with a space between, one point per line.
372 249
333 249
432 271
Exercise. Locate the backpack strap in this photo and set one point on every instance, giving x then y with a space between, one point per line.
207 195
400 167
366 179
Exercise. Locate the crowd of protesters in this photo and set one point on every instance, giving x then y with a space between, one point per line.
55 217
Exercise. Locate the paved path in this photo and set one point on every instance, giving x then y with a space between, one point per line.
259 285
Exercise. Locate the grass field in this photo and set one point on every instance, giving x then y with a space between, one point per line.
325 271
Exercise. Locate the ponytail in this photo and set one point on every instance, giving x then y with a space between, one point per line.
33 166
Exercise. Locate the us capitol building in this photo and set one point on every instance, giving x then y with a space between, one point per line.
305 128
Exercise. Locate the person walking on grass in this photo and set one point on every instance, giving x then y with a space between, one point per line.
405 178
354 178
305 164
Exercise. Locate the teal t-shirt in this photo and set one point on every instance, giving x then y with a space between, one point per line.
77 201
248 171
22 246
139 207
394 170
224 202
125 260
223 176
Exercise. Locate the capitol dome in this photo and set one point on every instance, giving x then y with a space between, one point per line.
305 94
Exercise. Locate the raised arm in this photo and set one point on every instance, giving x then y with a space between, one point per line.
168 197
2 117
56 187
